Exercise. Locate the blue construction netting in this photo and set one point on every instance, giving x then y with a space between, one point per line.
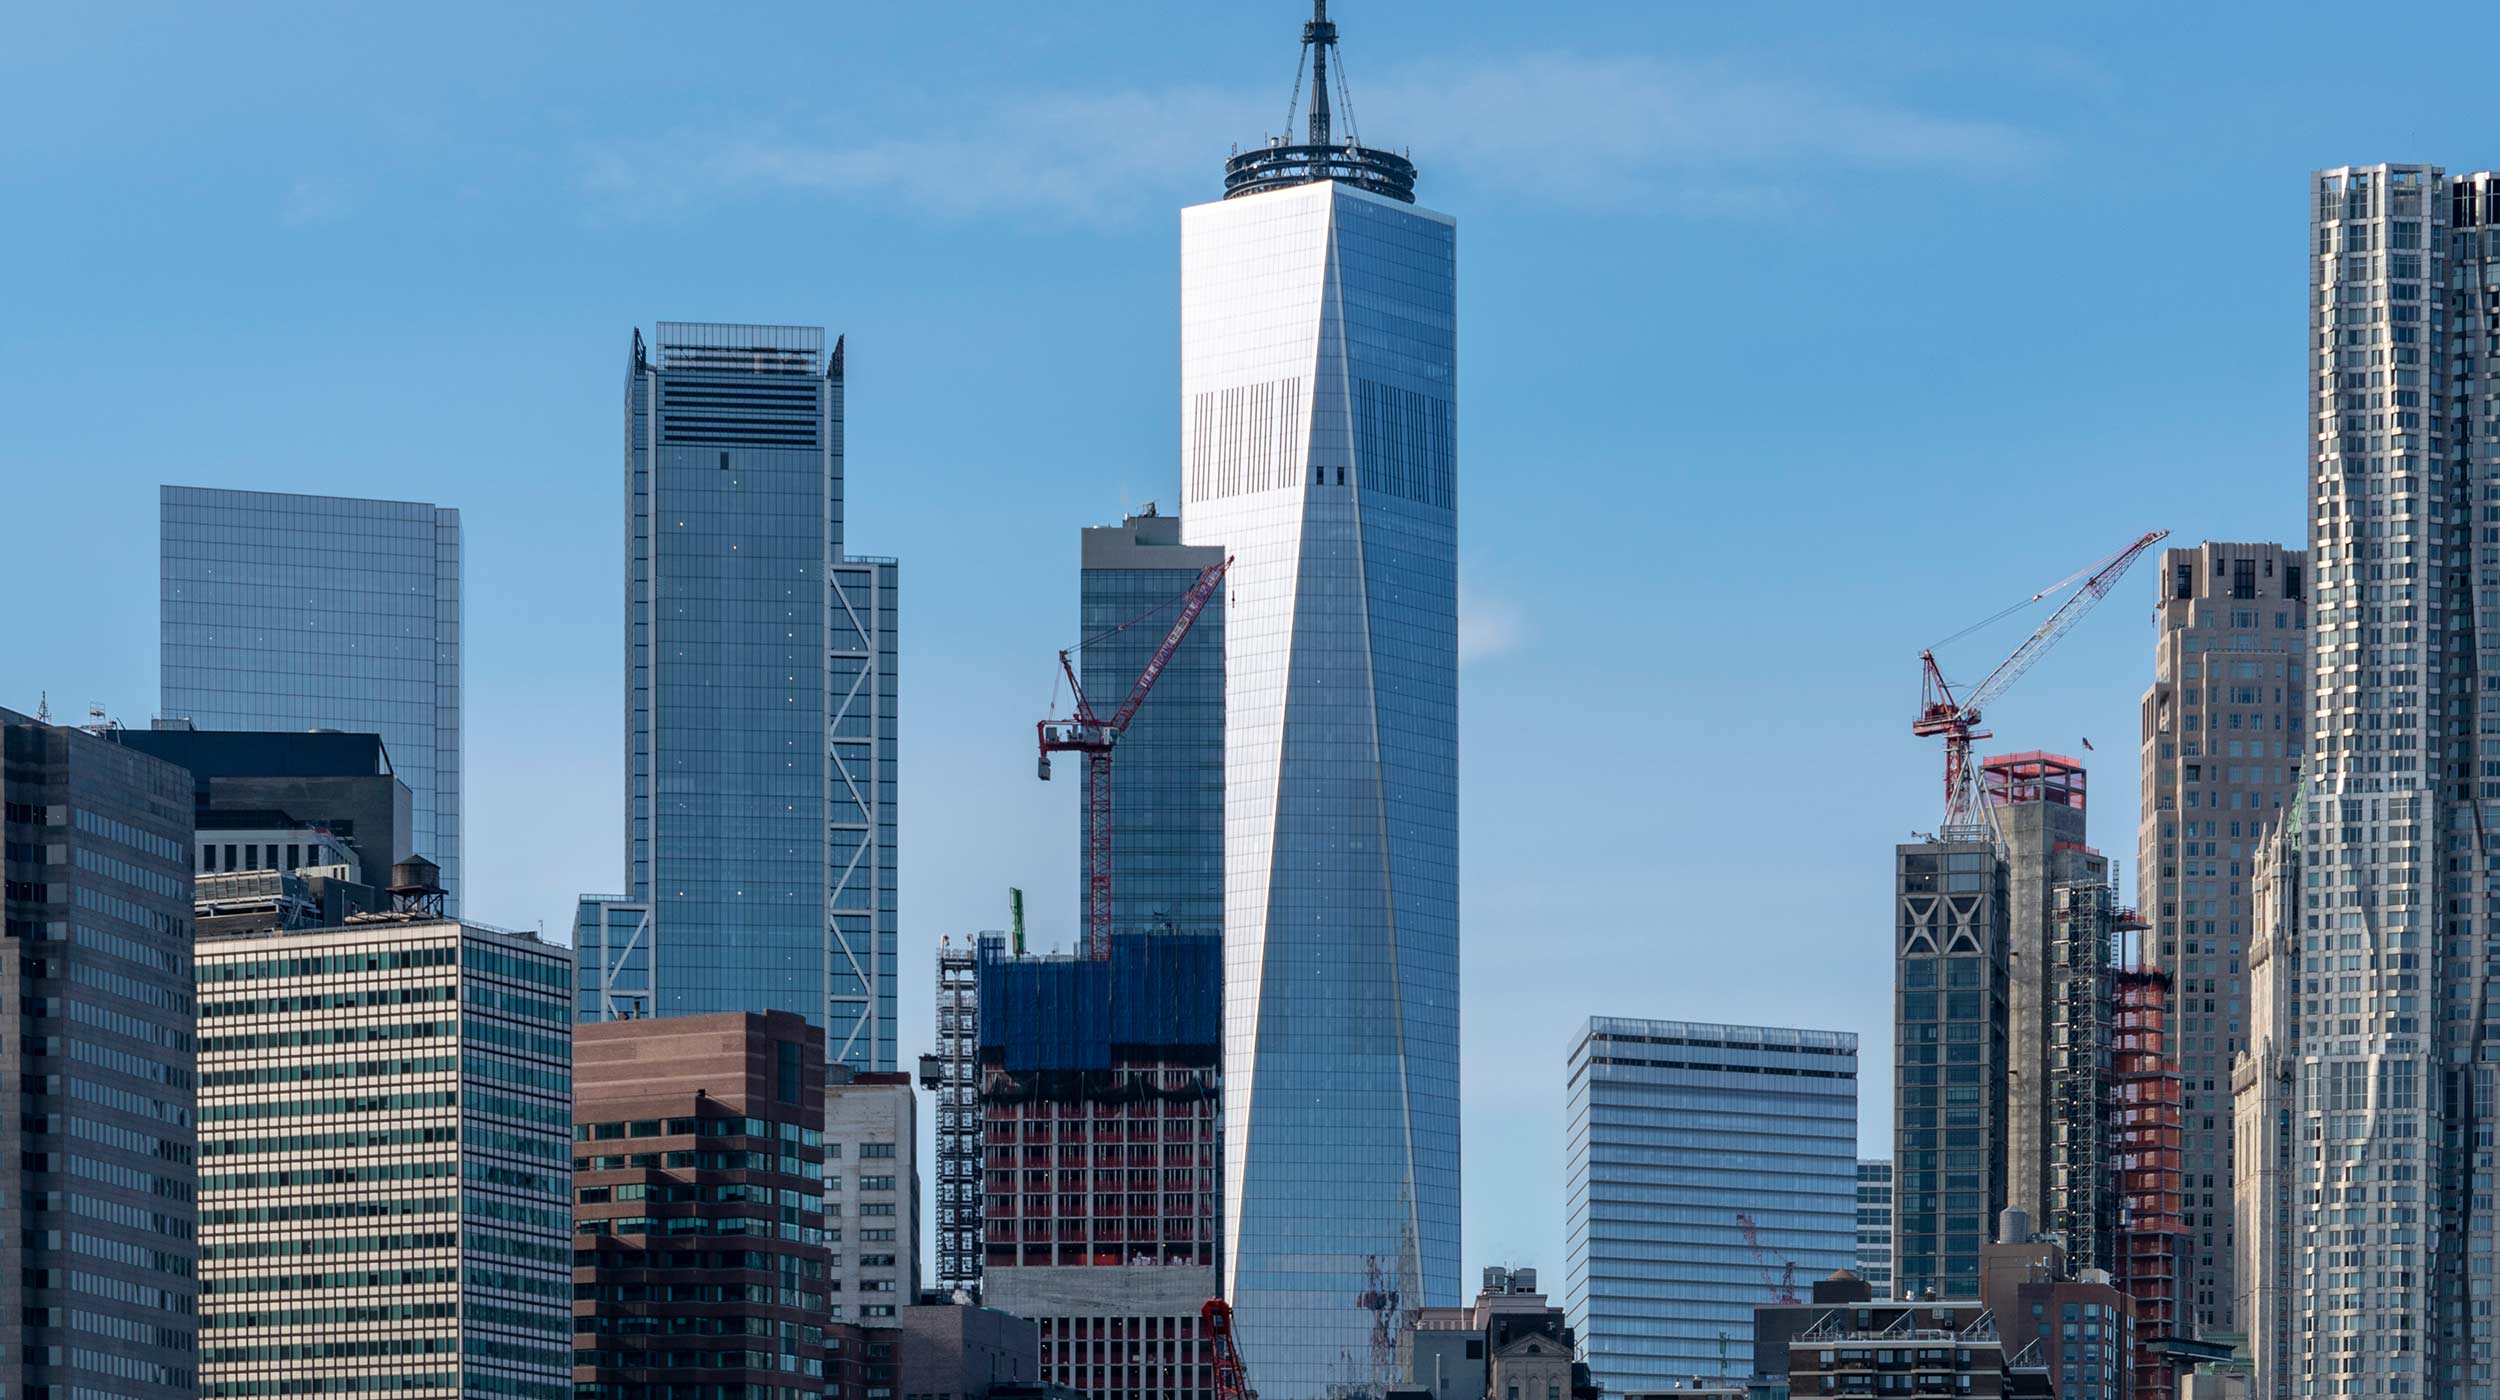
1057 1013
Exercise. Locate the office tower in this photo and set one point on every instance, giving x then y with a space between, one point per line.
725 1114
1874 1258
1318 447
760 663
320 612
2398 1067
98 1255
872 1193
1100 1099
2036 801
2221 751
1707 1168
1167 789
2263 1082
952 1079
1950 1069
386 1132
1508 1343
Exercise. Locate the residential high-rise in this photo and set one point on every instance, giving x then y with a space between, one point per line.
1874 1261
98 1248
1100 1090
1950 1066
1319 449
386 1147
2221 751
698 1165
2399 1078
2036 801
760 691
1167 789
287 612
872 1195
1707 1168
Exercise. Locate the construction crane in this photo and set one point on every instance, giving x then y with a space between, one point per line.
1230 1383
1784 1286
1087 733
1957 718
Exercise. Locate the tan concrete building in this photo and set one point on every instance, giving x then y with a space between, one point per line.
872 1196
2221 745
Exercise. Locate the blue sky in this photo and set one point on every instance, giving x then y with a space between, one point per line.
1792 338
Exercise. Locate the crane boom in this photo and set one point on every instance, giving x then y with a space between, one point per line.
1957 718
1087 733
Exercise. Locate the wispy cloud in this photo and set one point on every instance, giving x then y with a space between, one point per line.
1710 137
314 199
1488 625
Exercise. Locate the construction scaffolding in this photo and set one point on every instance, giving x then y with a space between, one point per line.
953 1081
2082 1206
2148 1127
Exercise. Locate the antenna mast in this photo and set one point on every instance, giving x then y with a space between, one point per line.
1319 36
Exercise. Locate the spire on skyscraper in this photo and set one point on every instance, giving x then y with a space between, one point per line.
1278 164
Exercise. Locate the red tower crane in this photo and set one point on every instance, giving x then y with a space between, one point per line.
1230 1383
1086 733
1784 1286
1957 718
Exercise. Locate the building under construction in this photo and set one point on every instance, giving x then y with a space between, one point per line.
951 1078
1101 1099
2117 1124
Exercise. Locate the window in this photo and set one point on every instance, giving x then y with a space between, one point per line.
876 1149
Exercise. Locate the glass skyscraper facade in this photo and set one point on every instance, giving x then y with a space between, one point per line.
1708 1169
1318 402
760 663
321 612
1167 788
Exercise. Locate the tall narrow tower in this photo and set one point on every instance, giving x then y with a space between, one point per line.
1318 412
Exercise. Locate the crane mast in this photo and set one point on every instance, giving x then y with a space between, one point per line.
1957 718
1230 1381
1087 733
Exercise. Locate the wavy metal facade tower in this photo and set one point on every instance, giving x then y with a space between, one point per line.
1318 411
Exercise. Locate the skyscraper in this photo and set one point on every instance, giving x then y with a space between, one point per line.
98 1249
321 612
1167 790
2399 1066
1318 447
2036 801
760 664
1707 1169
1950 1065
2221 753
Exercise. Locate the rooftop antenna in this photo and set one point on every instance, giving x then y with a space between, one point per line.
1318 37
43 707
